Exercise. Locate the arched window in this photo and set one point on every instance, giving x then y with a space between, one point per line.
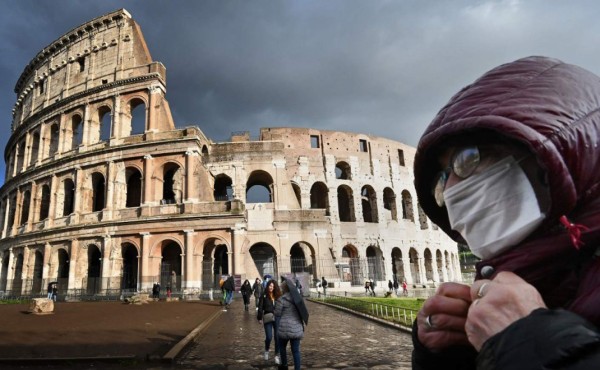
422 218
259 188
69 197
76 131
98 186
389 203
20 156
12 208
93 272
25 207
407 207
369 204
54 136
45 202
172 184
343 171
223 190
297 193
129 254
105 122
319 197
345 204
133 177
137 109
35 147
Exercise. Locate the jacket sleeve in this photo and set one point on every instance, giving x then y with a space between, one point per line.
259 313
279 307
453 358
546 339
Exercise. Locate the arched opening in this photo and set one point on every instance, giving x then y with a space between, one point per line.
105 121
297 193
345 204
407 207
204 150
45 202
414 266
440 265
17 285
343 171
93 272
12 209
69 197
129 279
352 261
374 262
137 109
265 259
25 207
170 267
98 188
397 265
20 156
62 276
172 184
54 136
38 266
369 204
133 178
319 197
35 147
259 188
389 203
428 265
4 274
422 218
297 259
215 263
76 131
223 189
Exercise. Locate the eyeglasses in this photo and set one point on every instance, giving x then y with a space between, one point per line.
463 163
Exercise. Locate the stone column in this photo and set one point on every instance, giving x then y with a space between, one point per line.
237 239
190 156
47 261
5 218
105 274
73 253
107 213
145 283
191 281
154 97
87 126
434 267
422 271
27 152
148 169
43 142
78 191
18 208
407 270
117 131
10 271
444 267
53 195
32 206
25 271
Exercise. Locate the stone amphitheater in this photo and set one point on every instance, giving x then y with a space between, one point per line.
104 195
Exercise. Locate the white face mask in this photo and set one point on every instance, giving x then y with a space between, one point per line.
495 209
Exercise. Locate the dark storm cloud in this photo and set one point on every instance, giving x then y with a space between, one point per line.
377 67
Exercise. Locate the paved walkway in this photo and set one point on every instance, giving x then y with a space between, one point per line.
333 340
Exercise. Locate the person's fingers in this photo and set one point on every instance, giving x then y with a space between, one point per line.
438 340
442 321
507 277
442 304
479 288
454 290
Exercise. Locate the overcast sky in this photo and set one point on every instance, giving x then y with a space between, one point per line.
377 67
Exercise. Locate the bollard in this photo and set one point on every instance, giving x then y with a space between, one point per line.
210 294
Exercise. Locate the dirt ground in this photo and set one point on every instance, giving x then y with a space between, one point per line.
99 329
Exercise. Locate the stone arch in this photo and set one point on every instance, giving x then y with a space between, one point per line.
223 190
415 270
74 132
104 129
17 284
35 148
12 210
94 273
428 265
346 204
65 199
44 202
172 183
36 276
375 263
369 204
26 201
259 187
171 253
53 139
397 265
133 186
407 206
204 150
440 265
350 257
264 257
302 258
343 171
319 197
4 272
62 270
98 194
422 218
215 261
297 193
136 121
130 266
389 203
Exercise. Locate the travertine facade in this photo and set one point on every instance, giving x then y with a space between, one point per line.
103 193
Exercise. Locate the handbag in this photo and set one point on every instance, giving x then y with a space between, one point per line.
268 317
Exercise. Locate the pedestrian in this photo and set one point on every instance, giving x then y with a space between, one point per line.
405 288
54 292
372 287
266 317
223 292
169 291
246 290
367 287
509 166
396 286
291 327
173 280
324 285
49 290
157 290
298 286
229 287
257 290
390 286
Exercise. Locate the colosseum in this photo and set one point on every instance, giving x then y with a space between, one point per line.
104 195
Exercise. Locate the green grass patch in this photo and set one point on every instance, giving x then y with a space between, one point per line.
12 301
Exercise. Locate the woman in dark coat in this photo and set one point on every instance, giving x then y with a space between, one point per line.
246 290
291 328
511 166
266 316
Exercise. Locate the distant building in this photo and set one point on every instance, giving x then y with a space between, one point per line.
104 194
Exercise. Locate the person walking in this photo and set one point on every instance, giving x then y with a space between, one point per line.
257 290
390 286
372 286
404 288
54 292
324 286
229 287
50 290
396 286
291 327
510 167
367 287
266 317
246 290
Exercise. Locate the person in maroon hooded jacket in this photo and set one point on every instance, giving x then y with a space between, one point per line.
511 166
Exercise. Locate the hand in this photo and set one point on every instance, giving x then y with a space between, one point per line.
447 312
260 322
498 303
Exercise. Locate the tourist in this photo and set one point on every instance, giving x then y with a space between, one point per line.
266 316
54 292
257 290
367 287
510 166
395 286
49 290
390 286
246 290
372 287
324 285
291 328
229 287
405 288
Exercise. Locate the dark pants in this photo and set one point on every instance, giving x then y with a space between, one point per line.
295 345
271 328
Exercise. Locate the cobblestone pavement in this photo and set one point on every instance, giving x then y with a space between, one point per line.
333 340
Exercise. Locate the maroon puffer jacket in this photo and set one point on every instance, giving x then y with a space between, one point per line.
553 109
